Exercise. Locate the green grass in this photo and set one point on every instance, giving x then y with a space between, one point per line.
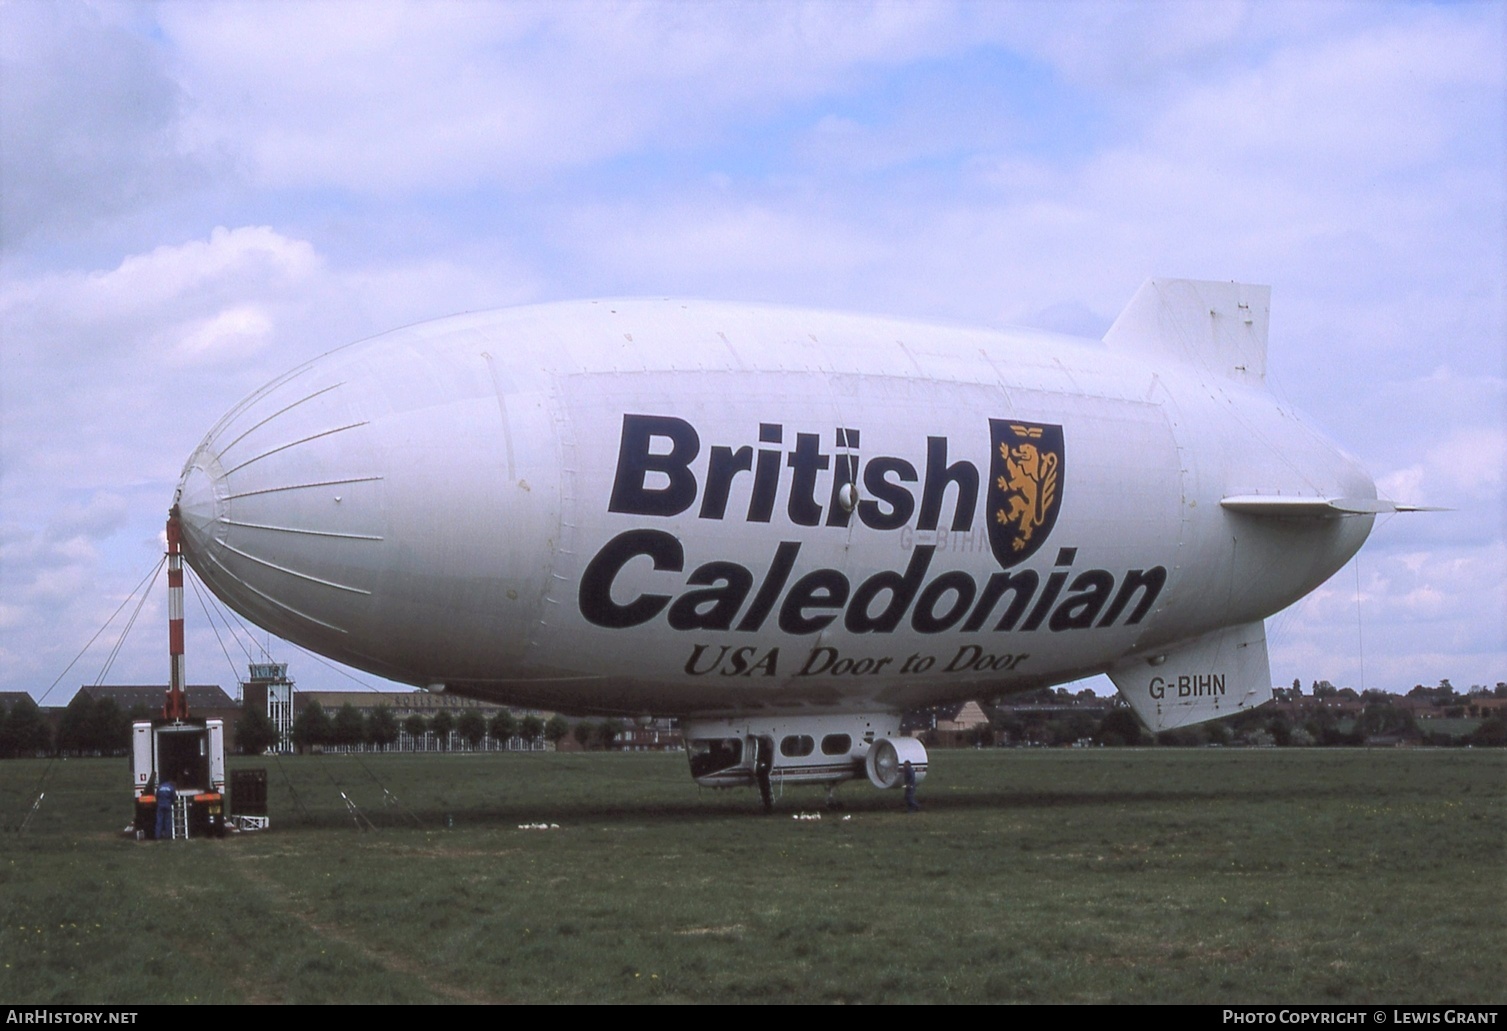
1291 876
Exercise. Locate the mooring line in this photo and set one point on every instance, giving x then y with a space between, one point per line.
151 575
288 780
387 796
121 640
198 593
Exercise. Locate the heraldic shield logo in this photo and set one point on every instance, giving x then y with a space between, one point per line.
1025 487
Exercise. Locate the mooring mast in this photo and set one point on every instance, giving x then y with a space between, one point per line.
188 752
175 707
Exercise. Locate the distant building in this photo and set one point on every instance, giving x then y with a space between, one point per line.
657 735
959 725
205 702
426 704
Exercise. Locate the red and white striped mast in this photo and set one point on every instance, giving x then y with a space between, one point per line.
176 705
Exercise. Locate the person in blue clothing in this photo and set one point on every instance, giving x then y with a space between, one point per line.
166 793
909 775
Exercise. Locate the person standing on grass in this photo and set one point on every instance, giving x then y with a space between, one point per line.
909 774
764 771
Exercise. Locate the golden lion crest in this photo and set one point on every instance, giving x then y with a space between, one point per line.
1024 494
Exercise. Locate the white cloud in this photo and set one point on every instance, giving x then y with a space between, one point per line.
230 334
704 246
100 364
1414 616
250 258
1467 464
96 516
150 299
1394 97
1134 52
89 118
395 97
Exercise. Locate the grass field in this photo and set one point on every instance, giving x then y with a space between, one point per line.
1282 876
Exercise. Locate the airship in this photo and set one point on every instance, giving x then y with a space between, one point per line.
784 527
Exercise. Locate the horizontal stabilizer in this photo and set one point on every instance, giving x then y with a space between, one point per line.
1293 505
1216 326
1203 679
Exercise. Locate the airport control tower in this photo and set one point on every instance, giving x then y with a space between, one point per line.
270 690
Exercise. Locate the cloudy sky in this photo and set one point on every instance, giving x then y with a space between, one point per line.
195 197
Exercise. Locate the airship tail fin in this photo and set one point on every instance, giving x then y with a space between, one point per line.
1220 327
1207 678
1318 507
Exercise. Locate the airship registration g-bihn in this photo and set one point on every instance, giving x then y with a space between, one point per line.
784 527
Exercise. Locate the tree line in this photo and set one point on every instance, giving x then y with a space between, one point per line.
350 727
91 726
87 726
1265 726
100 727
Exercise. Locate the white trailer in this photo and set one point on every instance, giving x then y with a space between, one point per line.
190 754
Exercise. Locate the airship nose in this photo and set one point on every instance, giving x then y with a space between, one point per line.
281 509
199 498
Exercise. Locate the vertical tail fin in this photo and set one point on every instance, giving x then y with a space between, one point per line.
1220 327
1207 678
